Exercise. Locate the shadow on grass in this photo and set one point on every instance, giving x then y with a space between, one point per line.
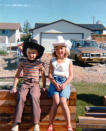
11 64
91 99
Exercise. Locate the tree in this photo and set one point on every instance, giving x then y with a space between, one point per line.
26 32
26 27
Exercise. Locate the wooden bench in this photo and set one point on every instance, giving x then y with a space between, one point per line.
7 109
95 118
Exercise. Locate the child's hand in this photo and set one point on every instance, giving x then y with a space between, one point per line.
62 86
13 90
58 87
44 89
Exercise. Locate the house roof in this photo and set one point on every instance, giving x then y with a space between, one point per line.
93 26
40 25
37 25
10 26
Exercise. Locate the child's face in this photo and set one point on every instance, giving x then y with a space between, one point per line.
60 51
32 54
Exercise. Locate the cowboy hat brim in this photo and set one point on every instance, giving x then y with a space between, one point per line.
33 45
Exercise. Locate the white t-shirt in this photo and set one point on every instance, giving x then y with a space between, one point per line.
61 69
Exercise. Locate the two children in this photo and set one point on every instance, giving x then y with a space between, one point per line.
31 68
60 75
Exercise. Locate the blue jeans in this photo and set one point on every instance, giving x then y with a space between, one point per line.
63 93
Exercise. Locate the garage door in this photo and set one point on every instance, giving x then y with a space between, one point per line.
48 38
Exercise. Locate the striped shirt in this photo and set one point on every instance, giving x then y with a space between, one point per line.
31 69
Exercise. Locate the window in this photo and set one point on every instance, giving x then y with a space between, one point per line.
98 32
5 32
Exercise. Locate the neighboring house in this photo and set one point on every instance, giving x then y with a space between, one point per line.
3 42
95 28
46 33
11 30
3 39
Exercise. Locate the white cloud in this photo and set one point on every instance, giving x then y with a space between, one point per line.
14 5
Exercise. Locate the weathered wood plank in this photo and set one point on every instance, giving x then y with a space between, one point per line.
91 120
103 115
43 126
93 126
44 114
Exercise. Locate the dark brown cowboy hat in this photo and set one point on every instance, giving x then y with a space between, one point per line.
33 44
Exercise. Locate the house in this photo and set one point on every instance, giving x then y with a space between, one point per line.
3 42
11 31
3 39
46 33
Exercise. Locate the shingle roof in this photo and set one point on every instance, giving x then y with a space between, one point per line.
11 26
87 26
93 26
40 25
37 25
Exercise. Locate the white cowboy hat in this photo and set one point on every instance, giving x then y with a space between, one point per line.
60 41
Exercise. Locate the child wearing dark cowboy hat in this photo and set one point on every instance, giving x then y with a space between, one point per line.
31 68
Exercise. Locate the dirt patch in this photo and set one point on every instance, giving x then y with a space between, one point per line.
8 65
93 73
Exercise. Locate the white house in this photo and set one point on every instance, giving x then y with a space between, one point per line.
3 42
46 33
12 31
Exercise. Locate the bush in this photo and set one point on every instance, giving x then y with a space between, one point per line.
3 52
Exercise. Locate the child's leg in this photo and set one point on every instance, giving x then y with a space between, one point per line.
20 103
35 96
66 111
20 106
54 108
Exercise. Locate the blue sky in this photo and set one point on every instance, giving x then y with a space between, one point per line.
46 11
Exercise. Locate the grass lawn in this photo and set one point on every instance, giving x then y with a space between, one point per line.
89 94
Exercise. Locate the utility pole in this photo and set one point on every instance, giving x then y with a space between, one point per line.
93 19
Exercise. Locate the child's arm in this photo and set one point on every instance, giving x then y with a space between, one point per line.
43 79
16 79
51 77
70 76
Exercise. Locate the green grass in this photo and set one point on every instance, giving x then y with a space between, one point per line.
88 94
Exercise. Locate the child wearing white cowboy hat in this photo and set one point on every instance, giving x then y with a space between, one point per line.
60 75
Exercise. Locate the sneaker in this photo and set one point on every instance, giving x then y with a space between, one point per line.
15 127
36 127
